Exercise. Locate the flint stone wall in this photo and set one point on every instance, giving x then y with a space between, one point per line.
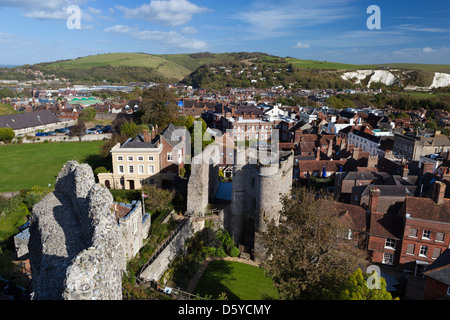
157 268
74 242
203 182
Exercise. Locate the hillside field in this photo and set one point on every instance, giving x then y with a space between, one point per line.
26 165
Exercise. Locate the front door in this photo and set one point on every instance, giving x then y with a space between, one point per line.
131 184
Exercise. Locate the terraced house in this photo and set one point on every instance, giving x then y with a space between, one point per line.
148 159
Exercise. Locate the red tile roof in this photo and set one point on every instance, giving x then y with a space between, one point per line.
427 209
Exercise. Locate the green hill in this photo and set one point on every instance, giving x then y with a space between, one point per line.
6 109
207 69
170 67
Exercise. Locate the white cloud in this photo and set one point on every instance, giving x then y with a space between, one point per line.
418 28
428 50
301 45
119 29
169 13
282 19
48 10
189 30
169 39
95 11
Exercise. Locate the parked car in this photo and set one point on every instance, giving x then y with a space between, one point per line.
51 133
41 134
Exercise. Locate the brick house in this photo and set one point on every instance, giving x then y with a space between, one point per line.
437 278
426 229
385 234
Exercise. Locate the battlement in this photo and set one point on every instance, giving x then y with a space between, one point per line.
75 241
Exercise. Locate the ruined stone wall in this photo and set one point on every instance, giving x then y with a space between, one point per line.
75 241
157 268
134 228
204 181
260 179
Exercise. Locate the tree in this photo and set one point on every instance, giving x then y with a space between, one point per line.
157 199
88 114
78 130
129 128
355 287
159 107
307 252
7 134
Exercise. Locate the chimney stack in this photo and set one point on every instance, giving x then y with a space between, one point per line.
147 137
427 167
317 153
355 153
373 199
405 171
330 148
153 133
438 192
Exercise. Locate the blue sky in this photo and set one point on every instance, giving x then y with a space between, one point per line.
33 31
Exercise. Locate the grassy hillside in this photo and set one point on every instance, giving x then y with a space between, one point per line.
445 68
314 64
171 66
142 67
6 109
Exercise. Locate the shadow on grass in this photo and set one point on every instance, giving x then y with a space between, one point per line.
211 283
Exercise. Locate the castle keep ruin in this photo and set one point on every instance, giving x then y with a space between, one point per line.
79 242
260 178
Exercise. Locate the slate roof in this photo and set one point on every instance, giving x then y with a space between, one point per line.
440 269
28 119
137 142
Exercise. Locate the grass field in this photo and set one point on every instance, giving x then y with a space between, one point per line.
238 280
314 64
25 165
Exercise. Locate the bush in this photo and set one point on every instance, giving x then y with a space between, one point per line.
6 134
100 170
234 252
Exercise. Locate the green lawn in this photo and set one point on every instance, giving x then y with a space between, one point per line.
26 165
238 280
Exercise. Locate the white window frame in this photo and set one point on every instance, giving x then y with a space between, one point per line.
121 168
169 156
388 246
119 158
426 237
151 169
388 258
423 248
140 158
130 158
141 169
151 158
132 169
